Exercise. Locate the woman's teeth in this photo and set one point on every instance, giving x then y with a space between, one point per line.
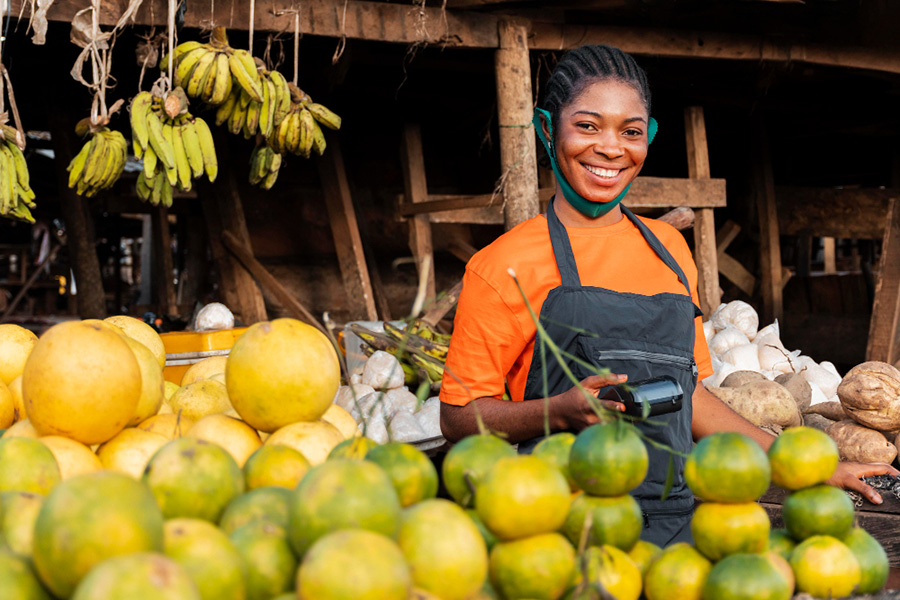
608 173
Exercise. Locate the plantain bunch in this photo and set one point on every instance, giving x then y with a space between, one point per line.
101 160
243 115
300 132
175 146
16 195
264 166
421 350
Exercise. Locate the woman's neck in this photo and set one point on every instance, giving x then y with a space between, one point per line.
570 217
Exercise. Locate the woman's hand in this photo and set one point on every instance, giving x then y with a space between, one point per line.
572 408
847 476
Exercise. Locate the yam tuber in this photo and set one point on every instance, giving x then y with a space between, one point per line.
829 410
763 403
861 444
739 378
870 394
799 389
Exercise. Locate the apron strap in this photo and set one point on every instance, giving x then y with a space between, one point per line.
562 249
658 247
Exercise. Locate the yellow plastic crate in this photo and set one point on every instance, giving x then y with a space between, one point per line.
184 348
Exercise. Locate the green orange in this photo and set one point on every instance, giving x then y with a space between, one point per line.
275 465
412 473
555 450
537 568
872 559
139 576
608 459
720 530
745 577
825 567
268 504
780 541
802 457
643 553
27 465
467 463
615 521
679 572
269 563
17 580
207 556
614 570
355 447
727 467
818 510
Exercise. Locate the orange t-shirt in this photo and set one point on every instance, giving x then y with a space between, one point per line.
493 333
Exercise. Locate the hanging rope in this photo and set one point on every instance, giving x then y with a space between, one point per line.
296 45
342 43
252 22
171 24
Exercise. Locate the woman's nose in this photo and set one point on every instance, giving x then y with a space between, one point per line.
609 145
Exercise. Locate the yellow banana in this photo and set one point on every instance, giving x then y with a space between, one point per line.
244 70
237 118
208 148
158 142
22 176
251 123
96 160
274 162
140 106
292 141
141 188
257 164
197 81
7 175
265 108
282 97
222 88
156 189
171 172
150 163
76 166
225 109
182 166
186 65
306 133
318 138
192 147
324 116
166 194
269 180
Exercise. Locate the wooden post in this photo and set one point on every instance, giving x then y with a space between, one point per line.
518 158
884 328
770 244
828 249
344 228
705 252
416 190
164 268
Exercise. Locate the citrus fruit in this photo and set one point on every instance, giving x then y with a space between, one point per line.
8 414
872 559
802 457
412 473
643 553
16 344
169 388
270 565
207 556
15 388
615 521
825 567
745 577
678 572
17 580
313 439
489 538
727 467
275 465
281 372
138 330
90 518
342 421
139 576
81 381
342 494
614 570
193 478
608 459
171 425
18 512
783 567
467 463
73 458
555 450
516 489
151 382
356 448
444 550
204 369
238 438
818 510
27 465
266 504
130 451
723 529
201 398
379 569
536 567
780 541
22 428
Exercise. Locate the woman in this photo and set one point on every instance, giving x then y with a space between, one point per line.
612 289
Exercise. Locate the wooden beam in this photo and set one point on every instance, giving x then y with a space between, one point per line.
736 273
858 213
443 305
726 235
416 190
705 253
515 105
345 230
770 244
164 267
884 328
828 250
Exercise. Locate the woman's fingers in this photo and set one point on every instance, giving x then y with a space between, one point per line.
596 382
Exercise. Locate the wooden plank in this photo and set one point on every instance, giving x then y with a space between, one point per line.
858 213
828 249
736 273
726 235
225 263
462 250
345 230
415 188
164 275
885 323
705 251
515 105
680 218
443 305
770 244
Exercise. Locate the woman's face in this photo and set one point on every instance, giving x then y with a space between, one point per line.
601 139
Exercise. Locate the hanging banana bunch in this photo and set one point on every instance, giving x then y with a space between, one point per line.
175 146
299 132
16 195
264 166
101 160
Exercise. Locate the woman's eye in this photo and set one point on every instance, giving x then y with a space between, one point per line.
586 126
634 132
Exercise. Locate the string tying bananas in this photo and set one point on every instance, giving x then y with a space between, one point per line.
175 146
100 162
264 166
16 195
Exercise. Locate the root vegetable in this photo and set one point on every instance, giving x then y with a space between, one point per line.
799 389
739 378
829 410
861 444
870 394
817 421
763 403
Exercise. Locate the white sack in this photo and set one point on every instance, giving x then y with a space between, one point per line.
709 330
726 339
715 380
737 313
816 397
376 428
827 381
405 428
429 417
399 399
771 328
344 396
383 371
745 357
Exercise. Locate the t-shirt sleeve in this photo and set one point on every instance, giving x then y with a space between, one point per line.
487 340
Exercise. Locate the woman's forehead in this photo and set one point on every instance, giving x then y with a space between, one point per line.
607 96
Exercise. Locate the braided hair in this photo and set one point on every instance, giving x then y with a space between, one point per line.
584 66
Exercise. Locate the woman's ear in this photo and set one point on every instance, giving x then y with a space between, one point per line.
546 131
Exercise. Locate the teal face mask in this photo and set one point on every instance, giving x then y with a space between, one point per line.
581 204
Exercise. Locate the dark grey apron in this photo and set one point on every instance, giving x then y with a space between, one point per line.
641 336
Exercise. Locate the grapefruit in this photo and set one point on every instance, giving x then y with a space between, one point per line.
17 580
342 421
643 553
678 572
267 504
614 570
151 398
204 369
802 457
8 412
201 398
72 457
825 567
467 463
781 542
88 519
720 530
313 439
238 438
555 450
342 494
207 556
169 388
18 512
536 567
356 448
27 465
130 451
270 565
872 559
727 467
379 569
15 388
275 465
746 577
81 381
171 426
16 344
608 459
136 329
412 473
22 428
516 489
193 478
444 550
139 576
615 521
281 372
818 510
